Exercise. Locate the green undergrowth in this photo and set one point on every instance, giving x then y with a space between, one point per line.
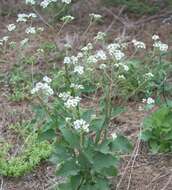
25 157
140 7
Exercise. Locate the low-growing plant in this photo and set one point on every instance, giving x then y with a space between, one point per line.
29 155
157 131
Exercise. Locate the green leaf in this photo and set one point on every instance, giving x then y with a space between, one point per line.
60 153
71 137
121 144
101 184
47 135
111 171
97 124
68 168
75 181
102 161
64 186
145 135
154 147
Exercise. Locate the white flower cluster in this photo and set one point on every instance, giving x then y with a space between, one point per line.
70 60
139 44
95 17
30 30
43 87
70 101
32 2
45 3
123 65
161 46
158 44
81 125
87 48
148 101
76 86
79 69
101 55
24 42
114 50
11 27
3 40
100 36
22 17
67 18
149 75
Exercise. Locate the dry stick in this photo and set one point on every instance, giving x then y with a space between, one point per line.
2 182
127 166
168 182
135 156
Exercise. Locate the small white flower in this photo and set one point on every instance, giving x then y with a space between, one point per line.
32 2
42 88
95 17
66 1
126 68
76 86
72 102
47 79
32 15
80 125
162 47
114 136
30 30
121 77
67 18
22 17
64 95
149 75
155 37
5 38
45 3
68 119
11 27
139 44
80 55
79 69
150 100
67 60
24 42
101 55
100 36
102 66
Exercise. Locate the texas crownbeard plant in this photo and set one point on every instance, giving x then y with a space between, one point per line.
85 153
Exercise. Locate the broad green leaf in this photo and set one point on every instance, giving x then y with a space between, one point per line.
145 135
71 137
111 171
101 184
68 168
102 161
97 124
75 181
121 144
64 186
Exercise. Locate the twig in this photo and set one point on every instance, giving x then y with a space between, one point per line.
168 182
132 167
2 183
126 168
